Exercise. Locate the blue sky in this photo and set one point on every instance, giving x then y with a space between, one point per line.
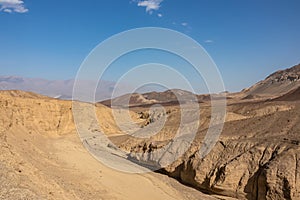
247 39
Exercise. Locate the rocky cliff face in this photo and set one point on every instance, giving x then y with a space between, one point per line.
244 170
37 113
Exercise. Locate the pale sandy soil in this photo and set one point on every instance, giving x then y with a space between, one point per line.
39 167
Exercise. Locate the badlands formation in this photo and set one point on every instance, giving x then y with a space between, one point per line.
257 155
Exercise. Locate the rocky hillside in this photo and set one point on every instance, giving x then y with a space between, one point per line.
277 84
254 159
293 95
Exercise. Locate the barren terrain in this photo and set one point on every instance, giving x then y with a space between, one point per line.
256 156
43 158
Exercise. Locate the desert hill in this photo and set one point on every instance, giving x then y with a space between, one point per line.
168 97
277 84
293 95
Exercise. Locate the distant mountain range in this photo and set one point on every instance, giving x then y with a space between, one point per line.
61 89
274 86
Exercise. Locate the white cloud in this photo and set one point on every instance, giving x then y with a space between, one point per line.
184 24
150 5
7 10
209 41
13 6
159 15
